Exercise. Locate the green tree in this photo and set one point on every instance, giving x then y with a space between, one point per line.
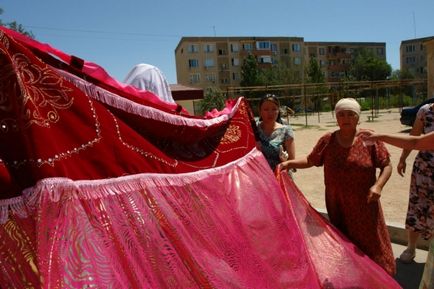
314 73
213 98
367 66
16 26
250 73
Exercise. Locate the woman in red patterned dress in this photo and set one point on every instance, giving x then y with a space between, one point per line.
352 188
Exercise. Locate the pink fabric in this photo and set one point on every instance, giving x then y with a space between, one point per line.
183 231
122 194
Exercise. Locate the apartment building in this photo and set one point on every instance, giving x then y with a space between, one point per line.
430 66
413 56
216 61
335 58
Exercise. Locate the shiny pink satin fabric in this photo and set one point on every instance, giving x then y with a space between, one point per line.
227 227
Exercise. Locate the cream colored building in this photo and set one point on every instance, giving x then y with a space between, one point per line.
335 58
430 66
413 56
216 61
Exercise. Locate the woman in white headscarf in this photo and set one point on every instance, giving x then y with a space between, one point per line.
352 188
148 77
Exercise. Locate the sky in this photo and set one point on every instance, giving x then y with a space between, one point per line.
117 35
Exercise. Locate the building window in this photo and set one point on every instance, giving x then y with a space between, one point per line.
297 60
222 52
209 62
296 47
322 63
235 62
274 47
208 48
247 47
321 51
194 78
410 48
193 48
263 45
285 51
380 51
264 59
234 47
210 77
193 63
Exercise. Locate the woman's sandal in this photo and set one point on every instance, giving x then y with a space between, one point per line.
407 255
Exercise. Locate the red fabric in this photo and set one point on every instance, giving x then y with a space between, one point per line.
101 191
349 173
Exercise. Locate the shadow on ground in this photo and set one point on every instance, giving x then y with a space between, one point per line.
409 275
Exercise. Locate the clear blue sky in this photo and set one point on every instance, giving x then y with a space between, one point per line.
120 34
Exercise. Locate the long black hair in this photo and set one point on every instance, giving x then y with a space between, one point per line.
273 98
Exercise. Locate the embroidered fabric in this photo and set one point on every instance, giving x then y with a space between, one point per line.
104 190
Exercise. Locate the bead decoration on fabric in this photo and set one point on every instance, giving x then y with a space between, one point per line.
63 155
174 163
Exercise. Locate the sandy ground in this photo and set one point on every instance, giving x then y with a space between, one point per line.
394 197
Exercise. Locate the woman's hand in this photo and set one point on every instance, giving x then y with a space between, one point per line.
283 155
401 167
374 194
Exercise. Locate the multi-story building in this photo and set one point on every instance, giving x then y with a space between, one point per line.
430 66
413 56
335 58
216 61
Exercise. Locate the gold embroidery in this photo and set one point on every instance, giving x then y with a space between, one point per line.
232 134
43 92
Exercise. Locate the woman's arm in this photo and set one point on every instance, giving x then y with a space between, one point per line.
301 163
416 130
290 148
375 190
422 142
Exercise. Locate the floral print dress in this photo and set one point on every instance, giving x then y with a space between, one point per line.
270 144
420 214
349 173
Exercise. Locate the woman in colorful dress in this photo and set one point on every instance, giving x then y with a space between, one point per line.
420 213
424 142
276 140
352 188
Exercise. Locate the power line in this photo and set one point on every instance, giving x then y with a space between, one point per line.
101 31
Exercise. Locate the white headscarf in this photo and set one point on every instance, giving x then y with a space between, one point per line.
347 104
149 77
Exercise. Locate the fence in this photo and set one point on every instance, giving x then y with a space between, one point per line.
306 98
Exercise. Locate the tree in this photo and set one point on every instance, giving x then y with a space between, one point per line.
314 73
16 26
367 66
250 73
213 98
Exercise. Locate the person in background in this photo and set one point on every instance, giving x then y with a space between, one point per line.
421 142
352 187
420 218
276 140
148 77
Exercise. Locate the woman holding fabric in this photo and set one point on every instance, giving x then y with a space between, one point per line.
352 188
276 140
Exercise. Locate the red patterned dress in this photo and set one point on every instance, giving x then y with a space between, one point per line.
348 174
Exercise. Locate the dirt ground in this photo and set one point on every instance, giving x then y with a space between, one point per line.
394 197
